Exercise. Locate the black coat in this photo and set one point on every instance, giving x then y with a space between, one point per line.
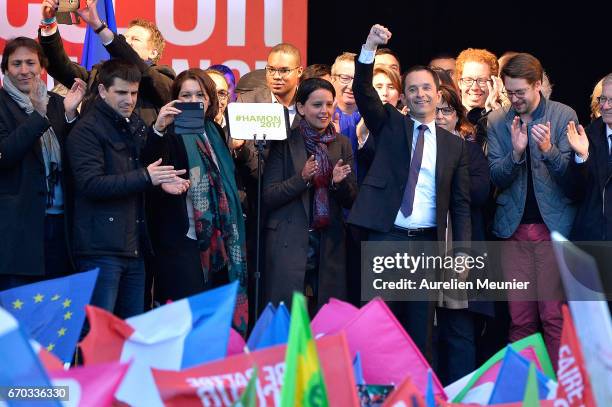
154 90
287 200
587 183
167 214
23 189
105 157
382 190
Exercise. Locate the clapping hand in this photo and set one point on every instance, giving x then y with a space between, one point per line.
161 174
340 172
578 140
519 138
177 186
541 135
74 97
494 93
310 169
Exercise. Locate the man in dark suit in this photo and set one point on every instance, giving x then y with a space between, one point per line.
283 73
33 188
589 182
418 175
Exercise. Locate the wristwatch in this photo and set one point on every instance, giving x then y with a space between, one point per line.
99 29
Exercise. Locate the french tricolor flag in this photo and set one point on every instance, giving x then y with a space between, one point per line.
175 336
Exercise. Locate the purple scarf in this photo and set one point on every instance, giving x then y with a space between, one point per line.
316 144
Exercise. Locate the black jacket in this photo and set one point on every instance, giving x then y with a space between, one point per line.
382 190
587 184
154 89
168 217
23 188
105 152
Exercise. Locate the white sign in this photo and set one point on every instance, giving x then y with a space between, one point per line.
264 121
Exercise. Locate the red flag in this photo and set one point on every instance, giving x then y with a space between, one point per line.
406 394
222 382
572 376
108 347
48 359
91 385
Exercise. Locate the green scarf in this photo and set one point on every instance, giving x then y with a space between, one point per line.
219 222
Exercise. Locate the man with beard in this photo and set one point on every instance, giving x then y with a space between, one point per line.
528 156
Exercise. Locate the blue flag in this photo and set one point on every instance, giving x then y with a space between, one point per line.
512 380
93 49
20 367
278 330
52 312
430 399
358 370
261 325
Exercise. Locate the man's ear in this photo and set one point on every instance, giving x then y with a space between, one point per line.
102 91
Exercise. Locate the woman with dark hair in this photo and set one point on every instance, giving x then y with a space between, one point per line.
307 181
457 319
198 238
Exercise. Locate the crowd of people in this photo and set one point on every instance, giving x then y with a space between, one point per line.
466 148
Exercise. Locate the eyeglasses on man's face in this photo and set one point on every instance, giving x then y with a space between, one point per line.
519 93
446 111
344 79
481 82
603 100
222 95
282 72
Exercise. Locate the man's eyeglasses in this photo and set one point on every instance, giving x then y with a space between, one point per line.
446 111
222 95
602 100
482 82
518 93
344 79
282 72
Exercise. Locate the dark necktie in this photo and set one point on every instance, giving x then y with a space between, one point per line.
413 175
610 147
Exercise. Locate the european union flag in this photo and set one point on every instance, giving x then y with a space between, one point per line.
20 366
52 312
93 49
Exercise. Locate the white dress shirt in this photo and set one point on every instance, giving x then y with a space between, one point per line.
292 109
424 206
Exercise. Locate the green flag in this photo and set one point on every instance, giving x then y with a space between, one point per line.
531 397
249 396
303 384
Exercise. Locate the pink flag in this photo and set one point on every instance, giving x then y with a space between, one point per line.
93 385
236 343
388 354
332 317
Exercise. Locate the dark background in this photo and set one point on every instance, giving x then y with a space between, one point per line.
572 40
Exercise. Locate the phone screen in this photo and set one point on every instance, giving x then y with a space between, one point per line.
191 118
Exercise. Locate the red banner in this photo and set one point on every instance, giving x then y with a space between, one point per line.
221 383
198 33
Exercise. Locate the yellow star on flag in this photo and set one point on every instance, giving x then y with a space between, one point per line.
66 303
38 298
17 304
51 347
55 297
68 315
61 332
